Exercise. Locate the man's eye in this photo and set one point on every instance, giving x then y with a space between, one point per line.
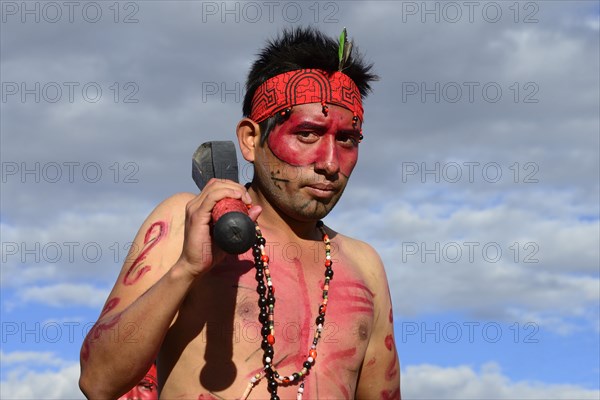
307 136
147 385
348 140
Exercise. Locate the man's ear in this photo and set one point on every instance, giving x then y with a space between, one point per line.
248 134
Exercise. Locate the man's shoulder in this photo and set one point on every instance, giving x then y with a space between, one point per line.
170 213
360 251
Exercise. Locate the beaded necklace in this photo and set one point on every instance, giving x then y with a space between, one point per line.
266 303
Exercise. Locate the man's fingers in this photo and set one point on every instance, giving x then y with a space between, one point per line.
254 212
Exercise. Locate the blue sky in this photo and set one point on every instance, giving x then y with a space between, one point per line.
477 183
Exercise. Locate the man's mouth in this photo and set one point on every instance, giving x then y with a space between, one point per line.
324 190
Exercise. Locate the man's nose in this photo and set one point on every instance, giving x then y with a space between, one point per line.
327 157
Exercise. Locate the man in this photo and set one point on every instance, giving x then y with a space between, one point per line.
307 311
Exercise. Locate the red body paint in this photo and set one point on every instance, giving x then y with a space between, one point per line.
153 235
97 330
371 362
390 394
307 320
353 302
206 396
391 317
391 370
333 374
389 342
288 144
355 285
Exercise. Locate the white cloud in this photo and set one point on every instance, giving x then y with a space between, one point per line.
38 375
439 260
61 384
64 295
426 381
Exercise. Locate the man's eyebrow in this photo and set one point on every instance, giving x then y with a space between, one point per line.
311 126
349 132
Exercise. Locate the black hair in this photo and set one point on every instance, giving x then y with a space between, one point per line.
302 48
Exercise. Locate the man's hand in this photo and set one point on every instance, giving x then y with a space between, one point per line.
200 253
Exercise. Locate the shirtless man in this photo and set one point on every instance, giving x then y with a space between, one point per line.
213 321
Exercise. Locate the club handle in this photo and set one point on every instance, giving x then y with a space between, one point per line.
233 230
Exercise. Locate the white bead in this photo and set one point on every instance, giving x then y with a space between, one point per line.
268 359
328 257
310 360
291 378
300 390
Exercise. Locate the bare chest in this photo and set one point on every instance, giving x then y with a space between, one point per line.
218 334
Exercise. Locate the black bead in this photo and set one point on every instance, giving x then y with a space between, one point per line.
329 272
262 317
319 224
259 265
271 299
274 396
272 386
296 376
269 351
265 331
320 319
264 344
259 276
262 301
256 252
261 288
261 241
307 365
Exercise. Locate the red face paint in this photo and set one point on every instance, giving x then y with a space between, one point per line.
147 389
328 142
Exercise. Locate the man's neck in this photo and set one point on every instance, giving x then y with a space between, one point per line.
273 219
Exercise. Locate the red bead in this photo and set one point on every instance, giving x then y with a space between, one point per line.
313 354
271 339
328 263
264 258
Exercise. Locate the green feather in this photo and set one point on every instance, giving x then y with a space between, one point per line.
341 48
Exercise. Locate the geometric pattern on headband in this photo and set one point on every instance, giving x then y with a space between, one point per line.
305 86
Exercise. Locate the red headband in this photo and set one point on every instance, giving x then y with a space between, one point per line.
305 86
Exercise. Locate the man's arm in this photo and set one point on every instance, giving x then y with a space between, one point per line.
380 373
121 346
171 251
